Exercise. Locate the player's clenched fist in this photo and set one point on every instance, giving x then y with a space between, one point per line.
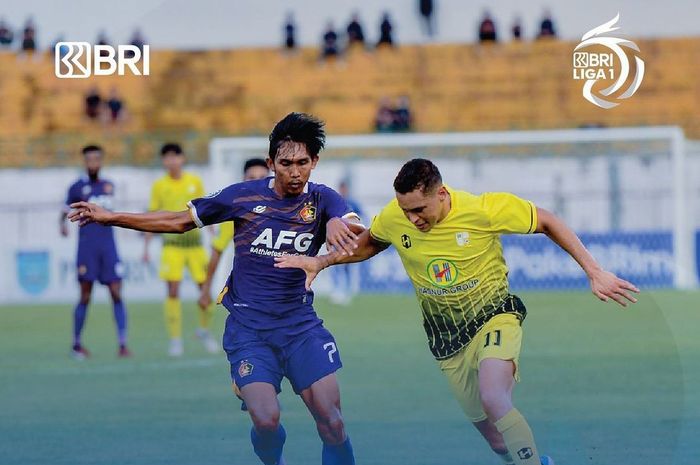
84 213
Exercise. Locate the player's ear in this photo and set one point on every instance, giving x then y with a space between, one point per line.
442 193
314 161
270 163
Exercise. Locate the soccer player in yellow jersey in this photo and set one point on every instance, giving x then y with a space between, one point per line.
448 241
254 168
171 193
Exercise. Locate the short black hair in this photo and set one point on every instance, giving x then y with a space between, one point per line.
170 147
254 162
298 127
418 173
91 148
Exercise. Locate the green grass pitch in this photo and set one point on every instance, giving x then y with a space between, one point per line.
599 385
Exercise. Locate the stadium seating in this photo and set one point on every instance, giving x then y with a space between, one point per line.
452 88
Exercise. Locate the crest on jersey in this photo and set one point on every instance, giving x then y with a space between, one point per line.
442 272
33 271
308 213
108 188
245 369
86 190
525 453
462 238
260 209
406 241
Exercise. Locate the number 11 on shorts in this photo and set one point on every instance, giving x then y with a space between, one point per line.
331 349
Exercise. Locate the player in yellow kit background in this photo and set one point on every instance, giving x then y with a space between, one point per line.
254 168
171 193
449 244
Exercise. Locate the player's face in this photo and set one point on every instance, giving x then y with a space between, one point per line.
292 166
173 162
255 172
422 209
93 163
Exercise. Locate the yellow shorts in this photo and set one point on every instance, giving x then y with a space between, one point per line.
174 259
500 338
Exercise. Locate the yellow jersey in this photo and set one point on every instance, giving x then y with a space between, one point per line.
224 238
172 195
457 268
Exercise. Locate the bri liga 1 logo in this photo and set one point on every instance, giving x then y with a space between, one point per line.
608 60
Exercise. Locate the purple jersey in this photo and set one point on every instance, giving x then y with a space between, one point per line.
100 192
266 226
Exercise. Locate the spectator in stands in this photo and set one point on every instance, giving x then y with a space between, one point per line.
402 114
517 29
356 36
137 39
384 121
29 37
547 29
426 9
487 29
92 104
329 48
289 33
6 35
103 40
385 31
115 104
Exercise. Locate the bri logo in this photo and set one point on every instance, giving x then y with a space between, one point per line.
80 60
301 242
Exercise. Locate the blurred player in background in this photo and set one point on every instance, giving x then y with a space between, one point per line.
272 330
449 244
171 193
97 253
343 278
254 168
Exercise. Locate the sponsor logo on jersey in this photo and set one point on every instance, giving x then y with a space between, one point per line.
442 272
308 213
259 209
267 243
406 241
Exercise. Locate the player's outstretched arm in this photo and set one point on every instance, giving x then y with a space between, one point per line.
160 222
367 247
604 284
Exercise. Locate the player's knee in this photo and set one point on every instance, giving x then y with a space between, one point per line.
331 428
265 420
85 299
495 403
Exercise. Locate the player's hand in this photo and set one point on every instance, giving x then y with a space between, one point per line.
605 285
204 300
84 213
64 229
340 237
310 265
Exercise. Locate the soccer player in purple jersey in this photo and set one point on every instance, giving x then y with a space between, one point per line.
272 330
97 252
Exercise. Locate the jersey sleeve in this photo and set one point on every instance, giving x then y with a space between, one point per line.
509 213
215 208
378 230
335 205
224 238
154 204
